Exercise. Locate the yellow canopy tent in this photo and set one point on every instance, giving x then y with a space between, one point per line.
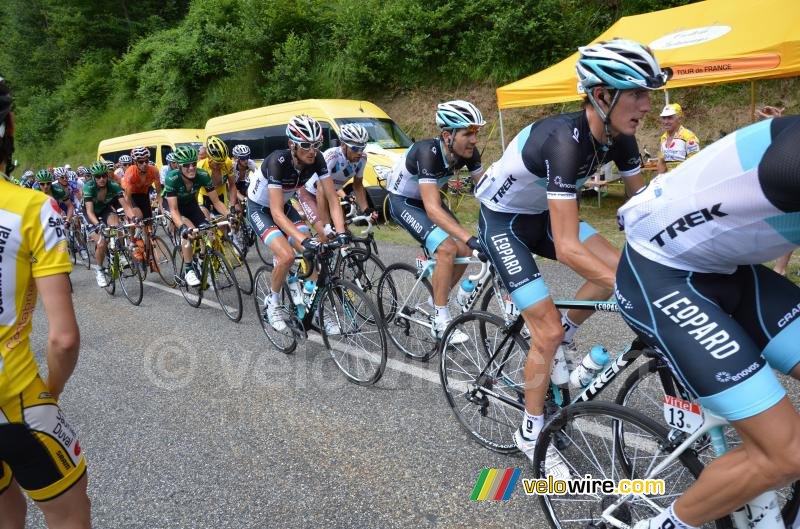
716 41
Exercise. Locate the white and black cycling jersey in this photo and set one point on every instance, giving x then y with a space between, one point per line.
550 160
277 171
736 202
339 168
425 163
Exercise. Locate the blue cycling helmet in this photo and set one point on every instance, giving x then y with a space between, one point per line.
458 114
620 64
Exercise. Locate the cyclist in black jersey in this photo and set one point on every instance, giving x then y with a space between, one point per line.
271 216
416 204
529 204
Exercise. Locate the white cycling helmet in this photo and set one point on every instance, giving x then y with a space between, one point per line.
620 64
353 133
458 114
304 129
125 159
170 157
241 151
58 172
139 153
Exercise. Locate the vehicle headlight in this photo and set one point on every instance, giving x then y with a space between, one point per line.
383 172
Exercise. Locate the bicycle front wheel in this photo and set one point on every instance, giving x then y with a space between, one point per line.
225 285
130 277
362 268
406 307
483 378
283 339
586 435
192 295
160 260
112 264
353 332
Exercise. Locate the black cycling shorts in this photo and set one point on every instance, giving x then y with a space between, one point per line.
410 214
509 239
191 211
142 201
721 333
261 221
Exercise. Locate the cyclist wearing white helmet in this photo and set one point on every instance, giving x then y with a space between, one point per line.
242 169
271 216
416 205
529 204
344 162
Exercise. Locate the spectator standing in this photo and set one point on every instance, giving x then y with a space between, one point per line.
678 143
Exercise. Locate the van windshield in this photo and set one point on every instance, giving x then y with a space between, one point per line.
195 144
382 131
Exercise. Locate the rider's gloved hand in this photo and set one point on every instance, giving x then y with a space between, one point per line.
473 243
344 238
185 231
309 244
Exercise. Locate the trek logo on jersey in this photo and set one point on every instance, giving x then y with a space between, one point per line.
504 189
687 222
506 253
686 314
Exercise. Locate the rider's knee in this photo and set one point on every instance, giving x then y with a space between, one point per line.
284 256
545 327
447 250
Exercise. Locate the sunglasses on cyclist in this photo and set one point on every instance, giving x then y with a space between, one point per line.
139 162
356 148
309 146
188 165
97 177
45 184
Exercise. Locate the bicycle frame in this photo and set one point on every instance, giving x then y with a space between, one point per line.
713 426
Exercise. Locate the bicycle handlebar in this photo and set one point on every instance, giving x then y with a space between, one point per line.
484 271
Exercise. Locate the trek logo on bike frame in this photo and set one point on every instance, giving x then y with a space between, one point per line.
608 374
719 345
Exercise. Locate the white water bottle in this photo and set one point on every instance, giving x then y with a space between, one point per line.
762 512
591 364
295 291
559 374
308 289
464 292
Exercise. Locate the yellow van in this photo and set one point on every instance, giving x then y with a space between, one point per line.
264 130
160 142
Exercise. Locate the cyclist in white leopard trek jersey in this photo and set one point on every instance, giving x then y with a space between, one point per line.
691 286
529 204
345 162
416 205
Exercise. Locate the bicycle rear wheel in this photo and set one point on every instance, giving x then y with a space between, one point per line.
130 277
407 310
285 340
226 288
161 260
357 343
192 295
487 399
586 436
233 254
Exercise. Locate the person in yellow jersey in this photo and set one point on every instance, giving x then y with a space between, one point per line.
678 143
39 450
220 166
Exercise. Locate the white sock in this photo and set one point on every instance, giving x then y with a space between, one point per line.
667 519
274 298
570 328
532 425
442 313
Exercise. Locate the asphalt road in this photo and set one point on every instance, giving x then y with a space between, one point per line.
189 420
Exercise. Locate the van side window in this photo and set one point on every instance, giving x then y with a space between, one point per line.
165 150
113 156
262 141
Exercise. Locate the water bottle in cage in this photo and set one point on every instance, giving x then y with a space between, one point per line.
465 290
592 363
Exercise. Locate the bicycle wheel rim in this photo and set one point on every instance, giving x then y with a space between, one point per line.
130 278
192 295
488 402
363 269
160 257
410 329
226 288
283 341
587 434
359 348
237 261
110 272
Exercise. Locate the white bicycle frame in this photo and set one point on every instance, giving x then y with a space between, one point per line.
762 512
479 279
